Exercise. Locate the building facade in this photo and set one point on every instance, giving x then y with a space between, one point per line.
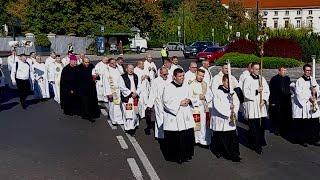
286 13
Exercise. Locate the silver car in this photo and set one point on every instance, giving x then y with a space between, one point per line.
175 46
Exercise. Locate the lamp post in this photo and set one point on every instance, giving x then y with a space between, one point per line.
212 33
179 33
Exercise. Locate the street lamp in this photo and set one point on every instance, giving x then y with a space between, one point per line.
179 33
212 33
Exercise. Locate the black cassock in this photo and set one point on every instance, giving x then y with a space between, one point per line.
280 103
69 91
88 93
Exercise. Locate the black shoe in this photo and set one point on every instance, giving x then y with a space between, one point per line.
147 131
259 151
316 143
236 159
304 144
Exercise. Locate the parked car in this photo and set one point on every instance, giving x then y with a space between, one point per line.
138 44
211 53
193 49
175 46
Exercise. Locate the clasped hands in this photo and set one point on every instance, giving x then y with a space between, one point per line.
185 102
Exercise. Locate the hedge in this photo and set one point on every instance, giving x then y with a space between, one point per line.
42 40
242 46
283 47
242 61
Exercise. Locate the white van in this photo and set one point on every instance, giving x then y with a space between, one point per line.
138 43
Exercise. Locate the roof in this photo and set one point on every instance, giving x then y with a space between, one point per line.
278 4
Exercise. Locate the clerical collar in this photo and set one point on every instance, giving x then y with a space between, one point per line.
306 78
254 76
222 88
175 84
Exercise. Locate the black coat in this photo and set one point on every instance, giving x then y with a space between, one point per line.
127 83
280 91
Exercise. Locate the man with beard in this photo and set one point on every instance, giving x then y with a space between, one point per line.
280 102
87 91
69 91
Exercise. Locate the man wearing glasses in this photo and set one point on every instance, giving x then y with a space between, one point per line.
305 109
191 74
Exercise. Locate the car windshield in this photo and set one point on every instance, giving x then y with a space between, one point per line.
212 49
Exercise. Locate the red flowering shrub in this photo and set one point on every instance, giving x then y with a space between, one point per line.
243 46
282 47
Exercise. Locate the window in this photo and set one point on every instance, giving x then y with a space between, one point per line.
298 12
310 12
298 25
287 13
264 24
310 23
286 23
276 13
275 24
265 13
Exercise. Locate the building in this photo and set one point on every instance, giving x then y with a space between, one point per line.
286 13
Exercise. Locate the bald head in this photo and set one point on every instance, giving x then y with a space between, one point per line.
148 57
164 73
205 64
86 62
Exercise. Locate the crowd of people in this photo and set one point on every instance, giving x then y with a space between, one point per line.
188 108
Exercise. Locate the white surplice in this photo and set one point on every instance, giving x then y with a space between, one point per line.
55 70
243 77
176 117
131 116
115 86
221 112
217 81
65 61
151 68
144 92
301 106
251 103
202 135
189 77
155 99
41 84
99 70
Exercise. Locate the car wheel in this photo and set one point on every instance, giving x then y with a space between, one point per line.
143 50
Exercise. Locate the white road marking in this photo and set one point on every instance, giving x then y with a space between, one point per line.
143 157
122 142
135 168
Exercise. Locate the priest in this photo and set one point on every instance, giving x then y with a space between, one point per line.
280 102
200 90
225 108
56 70
144 80
130 103
98 72
207 75
155 101
306 110
178 121
191 74
114 86
151 67
256 96
69 90
87 91
41 84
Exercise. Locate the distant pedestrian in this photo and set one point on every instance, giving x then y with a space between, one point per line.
22 77
164 53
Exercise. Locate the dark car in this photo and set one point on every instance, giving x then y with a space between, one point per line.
193 49
211 53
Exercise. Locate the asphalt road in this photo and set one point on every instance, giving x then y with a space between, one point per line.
42 143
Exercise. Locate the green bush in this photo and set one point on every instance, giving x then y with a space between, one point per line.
242 61
42 40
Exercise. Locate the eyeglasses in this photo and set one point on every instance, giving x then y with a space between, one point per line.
193 67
